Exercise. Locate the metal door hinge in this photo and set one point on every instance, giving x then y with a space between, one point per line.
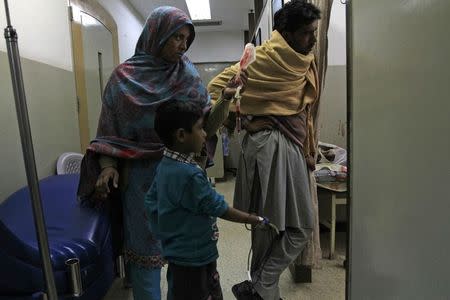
70 10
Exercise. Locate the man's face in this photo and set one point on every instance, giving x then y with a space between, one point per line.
303 39
176 45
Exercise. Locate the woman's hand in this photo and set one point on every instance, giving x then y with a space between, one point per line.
230 90
102 184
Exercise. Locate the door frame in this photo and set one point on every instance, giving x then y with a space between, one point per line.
94 9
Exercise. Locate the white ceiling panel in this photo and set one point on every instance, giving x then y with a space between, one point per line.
232 13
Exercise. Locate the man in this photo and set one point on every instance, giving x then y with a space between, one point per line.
278 146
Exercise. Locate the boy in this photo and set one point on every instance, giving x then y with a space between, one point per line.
182 206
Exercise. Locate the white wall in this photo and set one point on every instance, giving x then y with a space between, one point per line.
336 35
45 47
266 22
217 46
333 109
43 30
45 36
129 25
51 103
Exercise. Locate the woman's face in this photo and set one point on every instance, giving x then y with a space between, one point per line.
176 45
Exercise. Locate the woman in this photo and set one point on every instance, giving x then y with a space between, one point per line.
122 159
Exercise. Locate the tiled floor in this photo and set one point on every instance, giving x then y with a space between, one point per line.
328 281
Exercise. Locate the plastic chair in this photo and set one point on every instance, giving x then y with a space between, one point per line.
69 163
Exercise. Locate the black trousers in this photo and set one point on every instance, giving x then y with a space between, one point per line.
194 283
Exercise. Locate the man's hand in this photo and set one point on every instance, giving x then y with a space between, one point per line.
102 184
230 90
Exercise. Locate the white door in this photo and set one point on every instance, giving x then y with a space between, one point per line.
98 65
95 54
400 141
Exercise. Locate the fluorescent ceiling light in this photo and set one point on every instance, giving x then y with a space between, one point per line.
199 9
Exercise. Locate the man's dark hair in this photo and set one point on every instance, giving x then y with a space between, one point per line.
295 14
173 115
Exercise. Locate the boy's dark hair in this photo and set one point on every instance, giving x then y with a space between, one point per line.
295 14
173 115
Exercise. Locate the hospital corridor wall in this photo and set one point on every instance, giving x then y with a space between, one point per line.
46 56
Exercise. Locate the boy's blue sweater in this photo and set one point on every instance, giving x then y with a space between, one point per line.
182 208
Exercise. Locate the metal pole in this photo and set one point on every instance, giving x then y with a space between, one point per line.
28 154
350 76
100 72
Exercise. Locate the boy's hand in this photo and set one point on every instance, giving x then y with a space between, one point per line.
263 221
256 220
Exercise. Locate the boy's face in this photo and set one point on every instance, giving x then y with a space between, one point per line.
195 139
